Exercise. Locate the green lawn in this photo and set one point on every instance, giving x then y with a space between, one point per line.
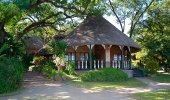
106 85
153 95
162 78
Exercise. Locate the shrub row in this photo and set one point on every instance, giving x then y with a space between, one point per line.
105 74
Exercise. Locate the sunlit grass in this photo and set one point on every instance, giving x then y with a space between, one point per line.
107 85
162 78
153 95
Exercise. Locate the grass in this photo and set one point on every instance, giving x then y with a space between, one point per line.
107 85
162 77
153 95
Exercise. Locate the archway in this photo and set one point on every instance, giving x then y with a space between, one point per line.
98 56
126 58
82 57
115 56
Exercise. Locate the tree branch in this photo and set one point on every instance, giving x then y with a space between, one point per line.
113 10
134 23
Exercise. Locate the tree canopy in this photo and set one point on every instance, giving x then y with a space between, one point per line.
20 17
153 33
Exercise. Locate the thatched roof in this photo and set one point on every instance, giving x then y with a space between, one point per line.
97 30
34 43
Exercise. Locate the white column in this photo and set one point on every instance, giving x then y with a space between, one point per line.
101 63
98 63
94 64
86 64
113 63
82 65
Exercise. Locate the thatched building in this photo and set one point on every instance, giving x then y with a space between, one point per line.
96 43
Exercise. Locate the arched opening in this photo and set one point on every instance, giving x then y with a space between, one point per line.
82 57
82 52
115 56
70 56
126 56
98 56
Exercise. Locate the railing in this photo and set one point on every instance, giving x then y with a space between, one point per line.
82 64
117 64
96 64
85 64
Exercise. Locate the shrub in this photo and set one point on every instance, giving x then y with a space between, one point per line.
49 69
71 68
151 66
105 74
39 60
11 73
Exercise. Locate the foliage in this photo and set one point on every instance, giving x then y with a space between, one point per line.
11 72
45 17
153 95
39 60
152 66
15 48
106 75
59 48
8 11
4 47
153 34
50 70
71 68
26 60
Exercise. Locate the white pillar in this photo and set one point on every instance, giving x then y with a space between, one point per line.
86 64
113 63
98 63
94 64
82 65
101 63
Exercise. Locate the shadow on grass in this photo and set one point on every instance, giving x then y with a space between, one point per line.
132 82
164 78
152 95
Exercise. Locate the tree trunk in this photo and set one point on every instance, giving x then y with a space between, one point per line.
3 34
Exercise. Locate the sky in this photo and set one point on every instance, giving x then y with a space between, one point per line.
112 20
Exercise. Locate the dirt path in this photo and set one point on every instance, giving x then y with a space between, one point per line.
39 87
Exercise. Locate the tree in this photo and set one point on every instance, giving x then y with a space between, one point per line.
33 16
129 9
154 31
8 12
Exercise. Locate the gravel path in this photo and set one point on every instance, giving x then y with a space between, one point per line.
41 88
61 91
